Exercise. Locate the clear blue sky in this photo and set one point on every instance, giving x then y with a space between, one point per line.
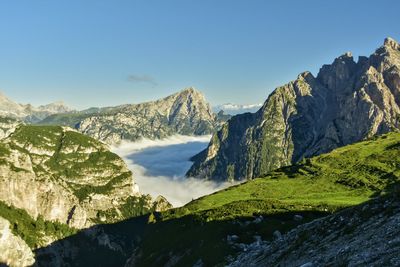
107 52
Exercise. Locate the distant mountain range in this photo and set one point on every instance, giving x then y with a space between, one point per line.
185 112
29 113
346 102
235 109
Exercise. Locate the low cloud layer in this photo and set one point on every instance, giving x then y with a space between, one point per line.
234 109
159 167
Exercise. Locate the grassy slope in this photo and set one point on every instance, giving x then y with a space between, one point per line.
345 177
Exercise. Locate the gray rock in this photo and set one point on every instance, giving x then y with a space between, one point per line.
258 220
185 112
13 250
277 235
232 239
29 113
199 263
346 102
298 218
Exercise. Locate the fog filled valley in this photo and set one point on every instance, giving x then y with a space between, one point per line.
159 167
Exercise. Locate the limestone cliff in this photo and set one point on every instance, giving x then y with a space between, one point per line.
67 177
348 101
13 250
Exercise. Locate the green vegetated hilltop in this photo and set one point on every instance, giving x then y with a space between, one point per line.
202 231
55 181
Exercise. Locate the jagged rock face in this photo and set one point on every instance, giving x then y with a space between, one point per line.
367 235
346 102
7 126
14 251
186 112
66 176
29 113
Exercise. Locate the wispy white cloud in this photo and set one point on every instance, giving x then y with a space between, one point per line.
142 78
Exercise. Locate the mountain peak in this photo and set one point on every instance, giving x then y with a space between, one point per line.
304 75
55 107
190 93
391 43
190 90
335 75
348 54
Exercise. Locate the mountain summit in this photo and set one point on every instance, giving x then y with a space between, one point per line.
347 102
185 112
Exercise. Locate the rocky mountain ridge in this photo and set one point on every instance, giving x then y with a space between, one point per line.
29 113
346 102
185 112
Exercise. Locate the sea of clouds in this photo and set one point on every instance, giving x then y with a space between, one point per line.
159 167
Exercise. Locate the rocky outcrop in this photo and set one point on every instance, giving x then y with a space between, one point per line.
67 177
367 235
29 113
347 102
162 204
186 113
13 250
7 126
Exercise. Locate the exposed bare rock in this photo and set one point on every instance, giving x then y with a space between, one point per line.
7 126
185 112
347 102
162 204
13 250
29 113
